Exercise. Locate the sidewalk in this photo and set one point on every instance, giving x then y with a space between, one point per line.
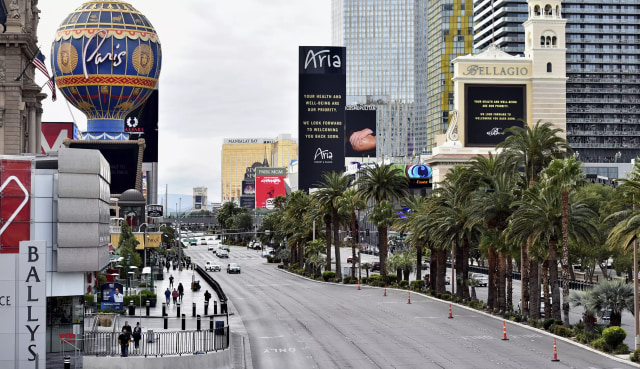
156 323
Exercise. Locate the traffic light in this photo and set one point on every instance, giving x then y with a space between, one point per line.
367 232
401 234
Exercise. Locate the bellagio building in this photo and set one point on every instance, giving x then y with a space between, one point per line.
240 157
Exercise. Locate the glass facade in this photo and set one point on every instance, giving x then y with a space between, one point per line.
379 37
603 51
448 25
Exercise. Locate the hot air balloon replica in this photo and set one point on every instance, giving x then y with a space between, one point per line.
106 60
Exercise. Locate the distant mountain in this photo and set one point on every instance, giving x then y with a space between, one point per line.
175 202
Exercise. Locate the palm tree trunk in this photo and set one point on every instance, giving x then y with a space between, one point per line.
336 241
510 282
502 282
525 278
442 270
419 248
545 289
491 288
534 289
327 232
460 276
433 266
565 257
382 245
465 269
553 279
353 245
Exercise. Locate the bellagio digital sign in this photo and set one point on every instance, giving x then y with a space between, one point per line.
490 109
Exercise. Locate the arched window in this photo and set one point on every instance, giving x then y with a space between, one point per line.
542 42
554 41
536 10
549 68
548 10
558 11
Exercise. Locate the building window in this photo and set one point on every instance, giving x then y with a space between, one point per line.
549 68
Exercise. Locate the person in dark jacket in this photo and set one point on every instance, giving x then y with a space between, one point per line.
180 291
123 340
137 334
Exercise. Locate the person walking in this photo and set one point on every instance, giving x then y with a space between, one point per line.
207 296
175 296
127 327
171 281
180 291
137 334
123 340
168 265
167 294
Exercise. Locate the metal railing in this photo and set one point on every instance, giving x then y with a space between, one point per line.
159 343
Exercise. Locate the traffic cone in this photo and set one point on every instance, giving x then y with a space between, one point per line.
385 289
409 301
450 315
358 285
504 331
555 351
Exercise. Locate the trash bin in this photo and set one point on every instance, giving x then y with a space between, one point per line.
132 309
150 336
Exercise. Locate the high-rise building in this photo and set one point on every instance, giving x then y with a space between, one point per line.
444 30
603 52
200 199
379 37
240 157
21 96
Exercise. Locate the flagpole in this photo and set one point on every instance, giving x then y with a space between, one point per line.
24 70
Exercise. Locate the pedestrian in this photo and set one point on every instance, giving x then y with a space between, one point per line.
175 296
171 281
180 291
168 265
207 296
137 334
167 294
127 327
123 340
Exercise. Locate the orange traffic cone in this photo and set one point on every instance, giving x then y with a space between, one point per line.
385 289
555 351
504 331
409 301
450 315
358 285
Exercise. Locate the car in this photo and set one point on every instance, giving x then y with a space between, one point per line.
605 318
233 268
482 279
427 279
211 267
267 252
224 247
210 248
375 266
425 264
351 260
223 254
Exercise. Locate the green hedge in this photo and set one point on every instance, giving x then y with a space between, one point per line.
327 275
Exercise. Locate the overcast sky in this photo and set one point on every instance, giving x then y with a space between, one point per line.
229 71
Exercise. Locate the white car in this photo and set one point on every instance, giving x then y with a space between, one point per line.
210 248
211 267
482 279
233 268
223 253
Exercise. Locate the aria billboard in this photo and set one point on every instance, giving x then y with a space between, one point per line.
490 109
321 112
269 185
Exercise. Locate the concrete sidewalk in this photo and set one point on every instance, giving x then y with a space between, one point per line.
155 321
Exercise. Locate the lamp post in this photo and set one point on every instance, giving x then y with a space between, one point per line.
618 155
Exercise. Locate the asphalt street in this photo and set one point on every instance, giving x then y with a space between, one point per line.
292 322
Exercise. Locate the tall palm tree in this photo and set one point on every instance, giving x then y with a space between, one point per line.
565 175
383 216
377 183
329 192
350 203
297 206
418 206
532 147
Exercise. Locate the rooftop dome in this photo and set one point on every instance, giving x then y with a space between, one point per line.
132 195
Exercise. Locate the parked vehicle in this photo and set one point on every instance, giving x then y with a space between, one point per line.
425 264
375 266
233 268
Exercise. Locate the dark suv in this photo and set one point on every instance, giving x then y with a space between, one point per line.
375 266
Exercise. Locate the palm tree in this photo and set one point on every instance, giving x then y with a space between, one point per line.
583 298
564 175
615 295
417 204
383 216
350 203
328 195
532 147
382 182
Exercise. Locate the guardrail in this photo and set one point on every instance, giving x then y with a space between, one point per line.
573 284
159 343
216 287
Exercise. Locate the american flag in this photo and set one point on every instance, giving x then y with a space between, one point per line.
38 62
